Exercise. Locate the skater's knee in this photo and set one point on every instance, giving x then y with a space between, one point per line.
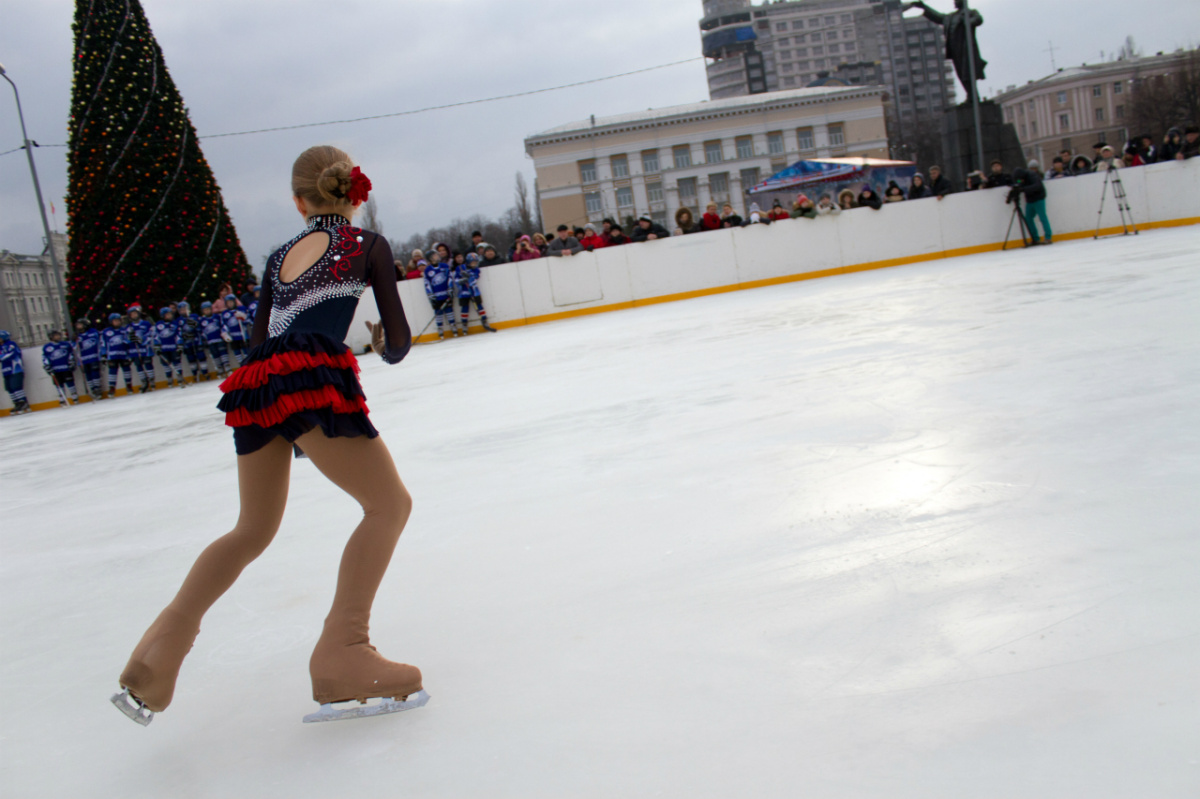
393 504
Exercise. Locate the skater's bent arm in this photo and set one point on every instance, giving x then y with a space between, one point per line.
382 275
262 317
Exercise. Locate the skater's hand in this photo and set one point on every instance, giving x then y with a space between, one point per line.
376 336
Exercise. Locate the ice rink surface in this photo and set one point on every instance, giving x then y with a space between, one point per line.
923 532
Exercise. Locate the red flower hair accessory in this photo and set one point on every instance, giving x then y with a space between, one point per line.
360 187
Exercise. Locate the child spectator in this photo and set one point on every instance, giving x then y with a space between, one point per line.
564 244
917 188
729 218
846 199
803 207
685 223
710 220
867 197
894 193
592 240
777 212
827 207
415 272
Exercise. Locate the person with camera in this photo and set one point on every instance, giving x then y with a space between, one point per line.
1027 182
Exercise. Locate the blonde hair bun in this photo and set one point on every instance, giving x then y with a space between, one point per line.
321 176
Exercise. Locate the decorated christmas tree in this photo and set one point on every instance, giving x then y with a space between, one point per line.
147 223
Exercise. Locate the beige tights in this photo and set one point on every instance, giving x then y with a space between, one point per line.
344 664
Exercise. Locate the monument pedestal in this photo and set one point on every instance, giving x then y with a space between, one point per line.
959 147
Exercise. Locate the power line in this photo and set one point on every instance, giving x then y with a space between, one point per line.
428 108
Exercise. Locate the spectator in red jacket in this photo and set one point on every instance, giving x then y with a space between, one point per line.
591 239
711 219
525 251
778 212
615 236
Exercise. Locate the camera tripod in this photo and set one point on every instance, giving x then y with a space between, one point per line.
1111 176
1026 236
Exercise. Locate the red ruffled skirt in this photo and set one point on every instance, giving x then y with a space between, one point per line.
290 385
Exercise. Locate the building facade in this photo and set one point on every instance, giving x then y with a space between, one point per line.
802 41
1076 107
655 162
30 305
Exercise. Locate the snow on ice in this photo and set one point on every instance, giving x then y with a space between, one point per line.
928 531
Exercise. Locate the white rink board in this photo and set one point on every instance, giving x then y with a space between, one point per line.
922 532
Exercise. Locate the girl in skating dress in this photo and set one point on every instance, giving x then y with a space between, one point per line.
299 388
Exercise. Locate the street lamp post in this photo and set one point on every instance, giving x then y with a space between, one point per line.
37 189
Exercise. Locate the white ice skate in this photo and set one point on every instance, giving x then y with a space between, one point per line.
331 712
132 708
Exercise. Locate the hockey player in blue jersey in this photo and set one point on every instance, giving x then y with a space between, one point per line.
213 337
252 307
437 289
467 278
58 359
141 347
167 342
12 367
191 342
114 350
237 332
87 352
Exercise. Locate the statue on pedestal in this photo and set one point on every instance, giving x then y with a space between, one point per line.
957 30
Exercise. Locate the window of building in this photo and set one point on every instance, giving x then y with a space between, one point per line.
814 37
802 52
1022 130
620 166
654 192
836 136
781 27
798 25
625 197
1123 134
790 80
1097 91
1033 126
1008 113
785 54
1118 87
1099 114
683 157
831 35
775 143
660 218
805 137
712 152
1062 97
802 65
763 25
799 39
830 21
849 47
718 186
815 22
833 48
1064 122
818 51
1065 144
1120 111
847 19
593 202
749 178
818 63
745 147
587 171
687 190
787 67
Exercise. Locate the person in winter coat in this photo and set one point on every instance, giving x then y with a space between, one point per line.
490 257
867 197
648 230
846 199
729 218
827 207
1058 169
525 251
540 242
1191 143
12 366
615 236
1081 165
1028 183
777 212
939 186
711 220
686 223
894 193
1172 145
917 188
564 244
803 207
997 176
1108 160
756 216
592 240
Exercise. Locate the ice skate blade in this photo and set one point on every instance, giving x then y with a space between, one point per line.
356 711
132 708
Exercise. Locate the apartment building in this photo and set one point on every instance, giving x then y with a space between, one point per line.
794 43
30 305
655 162
1076 107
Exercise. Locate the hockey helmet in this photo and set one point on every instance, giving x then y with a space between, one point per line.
205 304
166 309
55 335
113 315
83 320
184 304
134 309
4 336
472 257
231 298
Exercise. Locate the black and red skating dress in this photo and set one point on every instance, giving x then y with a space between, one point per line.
299 374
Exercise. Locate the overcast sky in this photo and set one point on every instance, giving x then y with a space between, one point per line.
246 65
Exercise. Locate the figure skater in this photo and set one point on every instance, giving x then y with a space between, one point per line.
299 388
